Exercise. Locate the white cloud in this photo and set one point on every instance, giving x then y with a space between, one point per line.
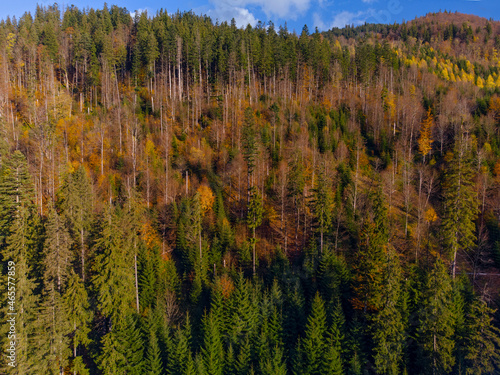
342 19
139 11
369 1
279 8
226 12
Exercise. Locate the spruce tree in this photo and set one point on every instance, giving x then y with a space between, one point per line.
212 350
314 343
16 188
153 362
57 249
387 326
322 206
79 317
460 202
76 202
436 323
483 340
114 266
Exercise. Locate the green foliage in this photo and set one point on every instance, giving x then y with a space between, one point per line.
436 323
460 204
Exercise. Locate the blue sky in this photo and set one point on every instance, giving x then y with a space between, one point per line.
323 14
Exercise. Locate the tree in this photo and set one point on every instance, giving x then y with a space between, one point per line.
483 341
51 333
249 145
254 218
436 323
387 323
425 140
460 204
15 189
212 351
153 362
23 303
114 266
79 317
122 350
314 347
322 205
57 251
18 225
76 201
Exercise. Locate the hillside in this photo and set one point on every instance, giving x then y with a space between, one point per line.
181 197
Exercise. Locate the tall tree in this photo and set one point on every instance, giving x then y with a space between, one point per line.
76 201
254 219
460 202
436 323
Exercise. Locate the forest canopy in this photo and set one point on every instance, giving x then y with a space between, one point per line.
179 196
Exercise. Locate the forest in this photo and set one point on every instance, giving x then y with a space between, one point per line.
183 196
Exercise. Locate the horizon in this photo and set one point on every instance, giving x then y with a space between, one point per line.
321 14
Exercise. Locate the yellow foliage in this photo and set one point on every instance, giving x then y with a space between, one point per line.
412 90
480 82
425 140
207 198
490 83
430 215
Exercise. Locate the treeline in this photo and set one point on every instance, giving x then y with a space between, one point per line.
181 197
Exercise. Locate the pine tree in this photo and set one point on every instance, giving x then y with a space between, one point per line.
153 361
76 201
254 219
57 251
436 323
274 364
322 205
18 231
387 325
181 361
460 202
15 189
51 334
122 351
483 340
114 266
212 351
79 317
22 305
314 347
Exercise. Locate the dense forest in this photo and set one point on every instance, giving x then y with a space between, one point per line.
179 196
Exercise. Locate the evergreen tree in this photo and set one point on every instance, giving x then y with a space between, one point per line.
436 323
57 251
22 304
123 349
460 202
274 364
15 189
153 361
322 205
314 348
76 201
254 219
483 340
387 325
181 361
79 317
114 266
51 334
212 351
